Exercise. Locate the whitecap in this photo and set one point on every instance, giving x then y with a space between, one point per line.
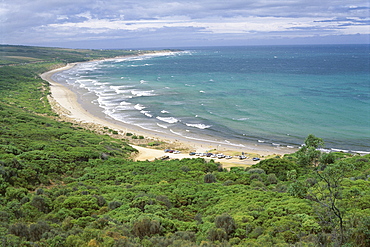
339 150
106 93
176 133
86 82
101 84
142 93
168 119
164 111
360 152
162 126
121 89
199 126
139 107
108 103
146 113
123 107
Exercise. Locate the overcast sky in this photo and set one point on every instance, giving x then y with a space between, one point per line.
161 23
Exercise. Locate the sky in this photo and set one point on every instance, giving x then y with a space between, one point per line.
123 24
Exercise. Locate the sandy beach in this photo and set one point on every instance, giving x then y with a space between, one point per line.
69 107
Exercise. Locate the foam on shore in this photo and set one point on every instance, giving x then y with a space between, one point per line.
86 111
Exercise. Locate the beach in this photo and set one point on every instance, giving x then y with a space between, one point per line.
71 107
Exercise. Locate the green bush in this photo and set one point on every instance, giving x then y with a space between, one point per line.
146 227
226 222
209 178
277 166
113 205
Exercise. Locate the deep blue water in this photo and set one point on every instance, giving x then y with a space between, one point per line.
262 94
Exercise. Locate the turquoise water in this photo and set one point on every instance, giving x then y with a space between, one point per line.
275 95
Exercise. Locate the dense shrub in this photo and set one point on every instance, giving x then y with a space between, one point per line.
226 222
209 178
271 179
146 227
40 203
277 166
217 234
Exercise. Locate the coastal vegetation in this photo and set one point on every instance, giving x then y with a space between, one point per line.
11 55
62 185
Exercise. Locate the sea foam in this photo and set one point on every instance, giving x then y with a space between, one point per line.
199 126
168 119
146 113
138 93
139 107
162 126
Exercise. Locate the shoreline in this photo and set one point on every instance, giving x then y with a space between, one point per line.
70 106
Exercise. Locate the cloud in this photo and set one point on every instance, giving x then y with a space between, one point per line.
43 22
348 21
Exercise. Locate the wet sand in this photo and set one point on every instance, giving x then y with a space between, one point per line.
71 107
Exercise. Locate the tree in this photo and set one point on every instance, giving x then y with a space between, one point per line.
209 178
277 166
308 155
20 230
327 158
327 193
271 179
217 234
40 203
313 141
36 230
146 227
226 222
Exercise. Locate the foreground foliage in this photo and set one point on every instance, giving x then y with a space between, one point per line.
64 186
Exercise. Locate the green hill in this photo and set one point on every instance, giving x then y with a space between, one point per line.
61 185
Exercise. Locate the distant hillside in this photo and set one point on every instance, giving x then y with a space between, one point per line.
10 54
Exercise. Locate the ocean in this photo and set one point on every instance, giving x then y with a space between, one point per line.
268 95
